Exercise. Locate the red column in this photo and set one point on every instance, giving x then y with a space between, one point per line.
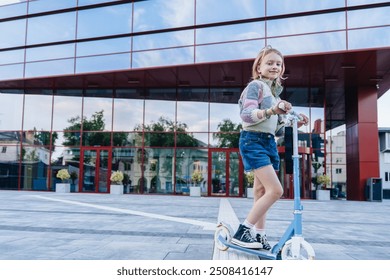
361 140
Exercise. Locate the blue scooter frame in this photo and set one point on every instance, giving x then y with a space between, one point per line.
292 244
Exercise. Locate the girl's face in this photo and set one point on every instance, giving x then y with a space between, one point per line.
271 66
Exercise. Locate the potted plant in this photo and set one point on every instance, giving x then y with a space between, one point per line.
73 178
116 182
250 179
64 186
196 179
322 193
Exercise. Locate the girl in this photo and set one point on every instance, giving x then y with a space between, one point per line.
261 111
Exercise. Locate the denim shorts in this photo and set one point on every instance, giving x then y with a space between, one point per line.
258 149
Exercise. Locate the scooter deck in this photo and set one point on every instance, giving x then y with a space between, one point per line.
262 254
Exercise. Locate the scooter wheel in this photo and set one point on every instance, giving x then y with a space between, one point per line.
225 233
306 251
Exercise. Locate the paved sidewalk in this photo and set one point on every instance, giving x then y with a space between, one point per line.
46 225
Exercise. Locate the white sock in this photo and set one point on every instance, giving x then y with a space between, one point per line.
259 231
248 224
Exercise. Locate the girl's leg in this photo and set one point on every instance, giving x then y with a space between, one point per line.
269 190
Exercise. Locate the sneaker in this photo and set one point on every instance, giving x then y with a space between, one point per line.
244 238
263 240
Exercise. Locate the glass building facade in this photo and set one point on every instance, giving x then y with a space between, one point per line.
151 88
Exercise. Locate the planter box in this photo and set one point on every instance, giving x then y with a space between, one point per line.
116 189
62 188
195 191
249 193
323 194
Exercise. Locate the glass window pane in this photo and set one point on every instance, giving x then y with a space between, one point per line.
66 109
14 31
103 63
163 57
12 8
158 171
362 2
12 71
98 114
208 11
372 17
296 6
9 165
128 114
11 111
104 46
373 38
36 160
37 112
49 68
163 40
91 2
194 115
161 12
50 5
112 20
305 44
51 28
306 24
12 57
156 109
244 31
228 51
221 112
50 52
188 161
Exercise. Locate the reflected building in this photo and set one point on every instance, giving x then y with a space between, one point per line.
151 88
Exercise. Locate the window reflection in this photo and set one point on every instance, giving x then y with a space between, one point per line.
208 11
11 111
11 57
221 112
97 114
244 31
49 5
12 71
378 17
296 6
373 37
11 10
156 109
306 24
163 40
332 41
66 108
9 159
103 63
14 31
48 68
51 28
37 112
174 56
112 20
228 51
50 52
35 162
165 14
104 46
128 113
194 115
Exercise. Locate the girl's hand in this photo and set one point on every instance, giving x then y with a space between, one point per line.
304 121
282 107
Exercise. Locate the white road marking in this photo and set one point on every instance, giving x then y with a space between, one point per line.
205 225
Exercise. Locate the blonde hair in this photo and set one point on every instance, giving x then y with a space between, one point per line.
268 49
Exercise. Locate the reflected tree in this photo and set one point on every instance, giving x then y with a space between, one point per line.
228 135
93 126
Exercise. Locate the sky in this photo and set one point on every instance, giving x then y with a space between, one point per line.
383 110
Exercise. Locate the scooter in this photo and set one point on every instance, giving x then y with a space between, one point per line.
292 245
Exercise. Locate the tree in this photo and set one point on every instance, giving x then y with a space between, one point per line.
94 126
228 135
163 134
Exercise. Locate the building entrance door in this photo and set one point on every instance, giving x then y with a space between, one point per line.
226 176
95 169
